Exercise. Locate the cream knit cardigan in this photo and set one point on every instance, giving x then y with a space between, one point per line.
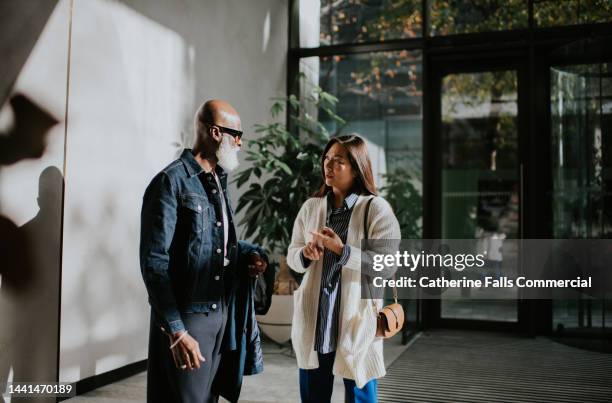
359 353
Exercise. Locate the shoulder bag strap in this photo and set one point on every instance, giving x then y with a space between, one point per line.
365 236
365 218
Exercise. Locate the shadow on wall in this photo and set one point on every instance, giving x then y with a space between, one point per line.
22 24
29 289
27 138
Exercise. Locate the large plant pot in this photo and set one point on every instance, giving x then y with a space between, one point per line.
276 324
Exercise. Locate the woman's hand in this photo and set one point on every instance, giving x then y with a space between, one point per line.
329 239
312 252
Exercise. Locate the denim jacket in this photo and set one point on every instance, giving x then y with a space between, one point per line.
181 244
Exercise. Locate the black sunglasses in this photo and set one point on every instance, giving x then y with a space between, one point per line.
236 134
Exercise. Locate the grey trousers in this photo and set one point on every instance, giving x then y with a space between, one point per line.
168 384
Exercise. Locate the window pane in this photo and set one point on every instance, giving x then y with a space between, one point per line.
380 98
449 17
353 21
568 12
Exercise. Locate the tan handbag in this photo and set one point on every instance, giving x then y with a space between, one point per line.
390 319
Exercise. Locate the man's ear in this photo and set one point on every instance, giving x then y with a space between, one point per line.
215 133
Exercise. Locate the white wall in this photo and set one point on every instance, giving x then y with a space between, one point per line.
22 23
139 71
30 213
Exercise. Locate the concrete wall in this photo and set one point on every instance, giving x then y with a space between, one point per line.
22 24
139 70
31 183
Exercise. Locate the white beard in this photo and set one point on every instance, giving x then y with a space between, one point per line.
227 153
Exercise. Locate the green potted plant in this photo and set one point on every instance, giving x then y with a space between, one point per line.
399 190
284 172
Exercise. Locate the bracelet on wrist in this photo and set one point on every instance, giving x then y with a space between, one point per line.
176 342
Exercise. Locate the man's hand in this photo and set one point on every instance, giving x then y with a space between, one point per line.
329 239
257 265
186 353
312 252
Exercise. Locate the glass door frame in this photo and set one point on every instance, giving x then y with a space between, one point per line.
439 67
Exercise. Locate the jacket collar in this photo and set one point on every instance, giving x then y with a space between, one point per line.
193 167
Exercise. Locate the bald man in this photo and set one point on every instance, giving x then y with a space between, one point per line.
192 263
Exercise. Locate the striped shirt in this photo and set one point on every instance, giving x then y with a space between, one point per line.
329 299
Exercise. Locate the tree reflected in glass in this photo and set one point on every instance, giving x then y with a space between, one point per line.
448 17
570 12
354 21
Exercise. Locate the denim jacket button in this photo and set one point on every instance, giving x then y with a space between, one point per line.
218 250
214 306
216 277
218 223
214 191
199 208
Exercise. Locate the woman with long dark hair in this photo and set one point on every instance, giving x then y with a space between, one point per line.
334 329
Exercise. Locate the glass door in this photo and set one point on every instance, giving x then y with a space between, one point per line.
581 149
478 175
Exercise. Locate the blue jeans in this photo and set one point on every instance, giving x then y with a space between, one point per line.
316 385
